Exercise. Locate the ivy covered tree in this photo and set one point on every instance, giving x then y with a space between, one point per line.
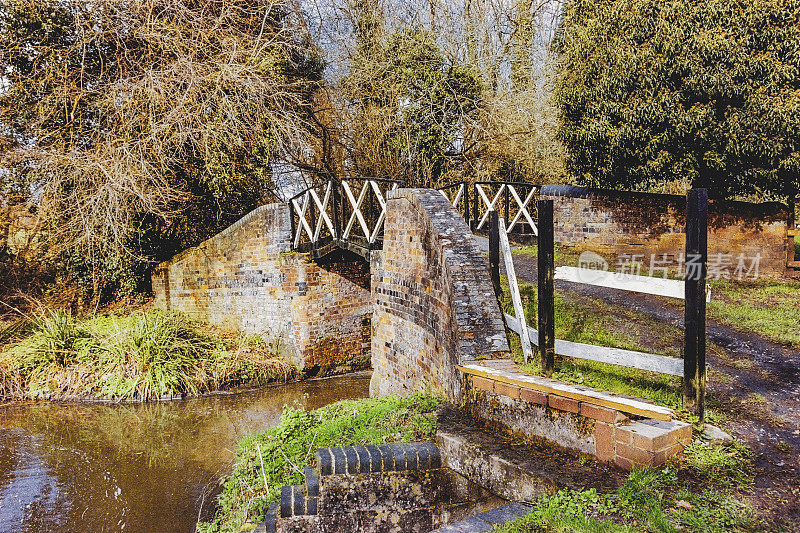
703 91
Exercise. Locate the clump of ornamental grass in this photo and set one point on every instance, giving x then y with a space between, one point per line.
137 357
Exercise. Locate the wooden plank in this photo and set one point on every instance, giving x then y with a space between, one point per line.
513 325
793 264
514 289
575 392
794 232
661 364
670 288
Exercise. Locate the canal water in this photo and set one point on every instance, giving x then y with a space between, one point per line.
135 468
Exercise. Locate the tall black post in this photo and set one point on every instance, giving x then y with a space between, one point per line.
467 211
292 219
494 253
476 197
508 206
547 310
694 357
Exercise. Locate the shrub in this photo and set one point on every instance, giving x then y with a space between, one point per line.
140 356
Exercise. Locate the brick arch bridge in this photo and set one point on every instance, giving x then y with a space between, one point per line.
414 303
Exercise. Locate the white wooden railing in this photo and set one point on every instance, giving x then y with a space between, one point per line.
514 201
349 213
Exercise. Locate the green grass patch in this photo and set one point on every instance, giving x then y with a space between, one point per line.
768 308
726 466
287 449
592 323
564 255
139 356
655 500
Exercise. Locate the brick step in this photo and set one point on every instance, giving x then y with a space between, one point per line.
364 478
381 458
510 469
575 417
270 523
489 520
295 502
391 487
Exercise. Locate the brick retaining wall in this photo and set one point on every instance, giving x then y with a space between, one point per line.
246 278
613 223
434 303
611 435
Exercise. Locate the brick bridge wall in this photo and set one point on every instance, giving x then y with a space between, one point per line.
246 278
434 303
613 223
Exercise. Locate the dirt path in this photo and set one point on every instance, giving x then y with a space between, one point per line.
757 387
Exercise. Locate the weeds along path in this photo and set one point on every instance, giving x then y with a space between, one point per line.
753 382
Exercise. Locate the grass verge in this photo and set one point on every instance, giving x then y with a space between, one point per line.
590 322
267 461
140 356
697 495
768 308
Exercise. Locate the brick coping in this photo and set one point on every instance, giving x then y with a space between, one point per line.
507 373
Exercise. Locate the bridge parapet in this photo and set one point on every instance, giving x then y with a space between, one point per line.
248 279
347 214
435 307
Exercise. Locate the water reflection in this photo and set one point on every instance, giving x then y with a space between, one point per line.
144 468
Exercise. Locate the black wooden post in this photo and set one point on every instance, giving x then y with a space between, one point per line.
293 223
508 206
694 356
475 199
337 201
465 184
312 206
494 253
547 311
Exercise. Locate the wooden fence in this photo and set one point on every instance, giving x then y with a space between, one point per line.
692 368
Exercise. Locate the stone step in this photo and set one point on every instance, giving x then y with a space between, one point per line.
270 523
312 482
489 520
515 470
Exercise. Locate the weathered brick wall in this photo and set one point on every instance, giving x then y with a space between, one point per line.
246 278
614 223
434 303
